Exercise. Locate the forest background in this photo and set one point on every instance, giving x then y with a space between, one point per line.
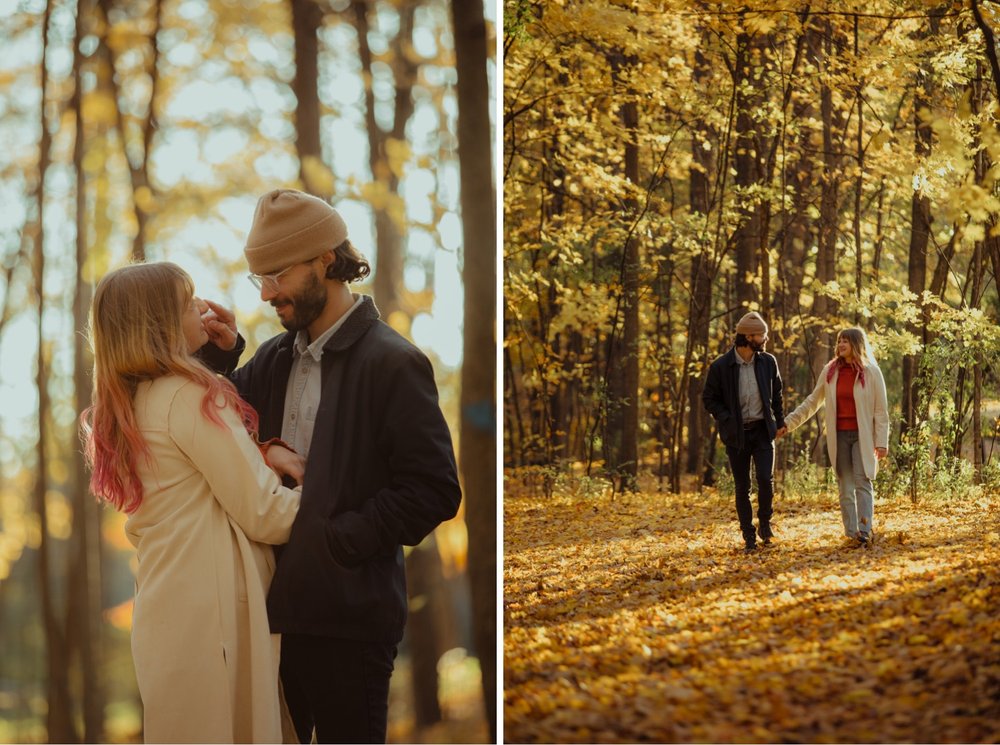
670 165
146 131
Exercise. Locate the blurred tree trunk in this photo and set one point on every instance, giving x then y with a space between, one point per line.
424 582
701 280
84 622
307 19
385 152
59 720
423 565
477 448
137 157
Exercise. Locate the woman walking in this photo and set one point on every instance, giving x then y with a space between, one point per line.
173 446
857 426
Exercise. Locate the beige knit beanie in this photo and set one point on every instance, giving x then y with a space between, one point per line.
751 323
291 227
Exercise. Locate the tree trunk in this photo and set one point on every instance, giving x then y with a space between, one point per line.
701 286
423 582
859 182
390 224
142 193
629 456
746 239
553 209
921 219
477 449
825 308
920 225
59 719
84 567
307 19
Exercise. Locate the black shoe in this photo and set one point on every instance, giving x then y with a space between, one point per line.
864 540
764 531
750 547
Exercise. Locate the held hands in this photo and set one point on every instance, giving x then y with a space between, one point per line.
781 433
286 463
880 453
219 323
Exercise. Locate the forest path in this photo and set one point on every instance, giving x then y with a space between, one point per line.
640 619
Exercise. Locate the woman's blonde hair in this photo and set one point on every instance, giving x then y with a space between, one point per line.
136 334
860 347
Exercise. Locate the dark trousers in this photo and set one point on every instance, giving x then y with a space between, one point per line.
338 686
758 447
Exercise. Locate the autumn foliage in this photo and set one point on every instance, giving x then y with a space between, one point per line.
639 619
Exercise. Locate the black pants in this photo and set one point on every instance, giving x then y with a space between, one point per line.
338 686
758 447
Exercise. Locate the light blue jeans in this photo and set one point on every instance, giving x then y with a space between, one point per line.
856 493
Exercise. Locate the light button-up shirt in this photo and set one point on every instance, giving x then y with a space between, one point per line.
305 385
751 406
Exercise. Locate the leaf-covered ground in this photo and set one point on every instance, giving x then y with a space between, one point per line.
641 620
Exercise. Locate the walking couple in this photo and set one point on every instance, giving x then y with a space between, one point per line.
195 460
743 394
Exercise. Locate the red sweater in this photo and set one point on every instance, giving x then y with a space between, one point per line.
847 413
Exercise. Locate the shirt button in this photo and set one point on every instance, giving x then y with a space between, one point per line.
293 417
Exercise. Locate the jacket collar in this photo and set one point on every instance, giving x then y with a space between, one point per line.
363 317
734 358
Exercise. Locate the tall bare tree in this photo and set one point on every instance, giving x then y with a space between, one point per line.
389 230
84 620
59 719
746 239
477 449
137 149
702 159
307 19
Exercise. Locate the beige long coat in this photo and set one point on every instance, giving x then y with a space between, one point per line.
873 414
205 660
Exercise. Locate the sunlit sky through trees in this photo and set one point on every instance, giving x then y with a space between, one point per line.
203 136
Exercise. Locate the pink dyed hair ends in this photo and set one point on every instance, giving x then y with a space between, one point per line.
136 335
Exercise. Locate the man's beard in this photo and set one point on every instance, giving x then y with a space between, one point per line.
307 305
757 346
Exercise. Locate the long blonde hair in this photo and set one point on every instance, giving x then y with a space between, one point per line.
136 335
860 348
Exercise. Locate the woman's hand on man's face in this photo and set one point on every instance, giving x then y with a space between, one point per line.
219 323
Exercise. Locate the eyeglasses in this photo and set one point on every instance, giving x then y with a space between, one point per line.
270 280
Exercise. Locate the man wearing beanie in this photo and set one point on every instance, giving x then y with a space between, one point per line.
743 394
359 403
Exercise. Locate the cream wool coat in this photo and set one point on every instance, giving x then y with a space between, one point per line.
873 414
205 659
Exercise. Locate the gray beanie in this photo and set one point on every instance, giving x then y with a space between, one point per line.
751 323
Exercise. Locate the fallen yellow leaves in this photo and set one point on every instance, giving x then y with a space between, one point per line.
641 620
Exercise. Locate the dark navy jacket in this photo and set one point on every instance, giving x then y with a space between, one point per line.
722 395
380 474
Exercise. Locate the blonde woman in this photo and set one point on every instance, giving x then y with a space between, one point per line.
173 446
857 426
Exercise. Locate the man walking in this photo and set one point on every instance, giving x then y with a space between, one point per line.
359 402
743 394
